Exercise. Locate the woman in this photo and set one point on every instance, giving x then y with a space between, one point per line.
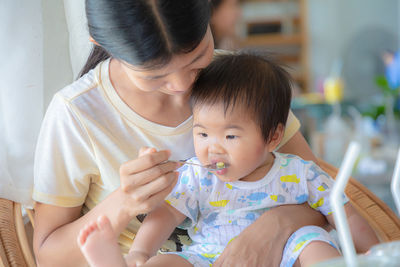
225 15
88 161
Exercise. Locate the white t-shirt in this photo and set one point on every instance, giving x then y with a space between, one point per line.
88 132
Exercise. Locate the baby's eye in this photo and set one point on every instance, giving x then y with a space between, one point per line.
203 134
231 137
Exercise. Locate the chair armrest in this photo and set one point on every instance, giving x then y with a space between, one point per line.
379 216
14 245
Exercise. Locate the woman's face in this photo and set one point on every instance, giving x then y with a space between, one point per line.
178 75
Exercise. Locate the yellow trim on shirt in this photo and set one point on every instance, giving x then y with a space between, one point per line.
61 201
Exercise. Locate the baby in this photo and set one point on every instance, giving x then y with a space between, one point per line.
240 106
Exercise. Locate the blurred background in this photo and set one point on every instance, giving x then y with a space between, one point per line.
342 54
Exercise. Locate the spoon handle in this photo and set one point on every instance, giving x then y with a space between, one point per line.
208 167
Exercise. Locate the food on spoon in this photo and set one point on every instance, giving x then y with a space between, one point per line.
220 165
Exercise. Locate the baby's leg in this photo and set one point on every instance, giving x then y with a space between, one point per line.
99 245
309 245
316 251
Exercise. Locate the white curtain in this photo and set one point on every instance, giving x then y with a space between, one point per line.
21 94
78 33
35 63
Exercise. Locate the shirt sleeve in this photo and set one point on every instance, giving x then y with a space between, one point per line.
319 185
185 196
64 158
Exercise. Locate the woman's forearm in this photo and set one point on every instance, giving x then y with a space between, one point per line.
58 247
280 222
145 182
363 235
301 215
262 243
284 220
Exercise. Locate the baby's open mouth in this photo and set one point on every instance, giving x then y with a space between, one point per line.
220 167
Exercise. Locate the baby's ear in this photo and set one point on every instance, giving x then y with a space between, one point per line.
276 138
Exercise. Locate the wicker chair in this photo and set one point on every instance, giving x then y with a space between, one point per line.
15 250
379 216
14 246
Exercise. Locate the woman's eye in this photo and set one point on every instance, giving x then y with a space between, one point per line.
230 137
203 134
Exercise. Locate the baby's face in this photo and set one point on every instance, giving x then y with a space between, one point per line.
234 139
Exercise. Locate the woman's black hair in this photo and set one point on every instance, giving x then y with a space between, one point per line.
216 3
252 81
97 55
145 33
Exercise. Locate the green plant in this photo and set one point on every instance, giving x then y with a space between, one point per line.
383 83
393 94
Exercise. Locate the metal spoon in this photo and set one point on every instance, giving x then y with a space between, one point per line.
210 167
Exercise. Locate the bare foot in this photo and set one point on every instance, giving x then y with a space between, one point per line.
99 245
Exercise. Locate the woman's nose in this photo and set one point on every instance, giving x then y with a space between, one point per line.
182 81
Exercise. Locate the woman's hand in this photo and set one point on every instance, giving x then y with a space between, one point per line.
262 243
147 180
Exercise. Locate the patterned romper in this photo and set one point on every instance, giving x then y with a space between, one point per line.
218 211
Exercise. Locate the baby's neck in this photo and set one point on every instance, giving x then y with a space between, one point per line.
260 172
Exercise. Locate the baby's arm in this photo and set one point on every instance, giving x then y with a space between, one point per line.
155 230
363 235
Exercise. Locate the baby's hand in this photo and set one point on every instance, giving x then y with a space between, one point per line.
136 258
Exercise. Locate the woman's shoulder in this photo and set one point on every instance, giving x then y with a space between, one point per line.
84 96
84 93
79 87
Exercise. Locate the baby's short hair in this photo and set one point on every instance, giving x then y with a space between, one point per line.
252 81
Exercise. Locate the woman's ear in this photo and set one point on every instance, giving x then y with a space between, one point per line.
93 41
276 138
